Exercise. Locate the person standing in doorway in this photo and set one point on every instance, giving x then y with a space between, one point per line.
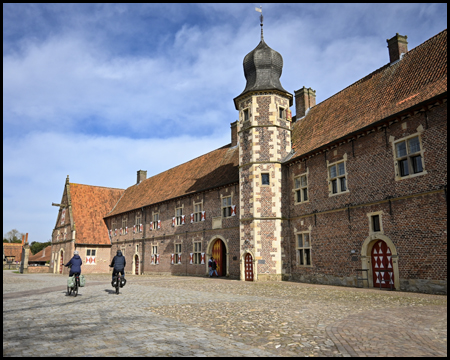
214 267
210 266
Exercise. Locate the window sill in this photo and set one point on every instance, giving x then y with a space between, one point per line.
301 202
339 193
410 176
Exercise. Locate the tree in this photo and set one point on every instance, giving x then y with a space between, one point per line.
14 236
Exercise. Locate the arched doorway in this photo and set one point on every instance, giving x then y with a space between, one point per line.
61 262
382 269
136 264
219 253
248 266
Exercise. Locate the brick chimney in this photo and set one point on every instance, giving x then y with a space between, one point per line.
234 134
305 98
141 176
397 46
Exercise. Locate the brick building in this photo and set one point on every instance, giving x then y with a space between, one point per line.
355 186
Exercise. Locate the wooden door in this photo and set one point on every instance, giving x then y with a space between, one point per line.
136 260
61 263
382 260
217 253
248 267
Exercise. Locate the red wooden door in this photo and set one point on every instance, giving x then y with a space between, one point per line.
61 263
217 253
136 265
382 260
248 267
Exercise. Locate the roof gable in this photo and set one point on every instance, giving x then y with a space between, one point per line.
420 75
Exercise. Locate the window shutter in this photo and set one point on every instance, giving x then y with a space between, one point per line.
172 256
141 228
192 218
157 259
120 231
126 229
203 216
151 225
203 258
179 258
183 219
134 229
153 259
115 232
191 255
233 210
173 221
159 224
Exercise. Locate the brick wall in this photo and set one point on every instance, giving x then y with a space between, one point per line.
38 269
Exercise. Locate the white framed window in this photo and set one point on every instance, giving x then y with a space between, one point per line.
301 188
178 215
155 220
303 248
226 206
177 253
197 252
124 224
198 208
91 255
408 154
137 221
337 178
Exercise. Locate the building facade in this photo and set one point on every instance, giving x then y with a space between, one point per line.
351 191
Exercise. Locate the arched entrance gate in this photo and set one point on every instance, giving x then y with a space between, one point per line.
219 253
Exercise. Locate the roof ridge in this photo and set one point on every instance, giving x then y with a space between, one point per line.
368 76
105 187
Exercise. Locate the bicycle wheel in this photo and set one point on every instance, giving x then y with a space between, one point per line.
117 288
75 289
69 290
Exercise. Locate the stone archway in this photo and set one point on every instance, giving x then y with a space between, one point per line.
225 258
243 267
366 252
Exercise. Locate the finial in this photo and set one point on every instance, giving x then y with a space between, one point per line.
261 18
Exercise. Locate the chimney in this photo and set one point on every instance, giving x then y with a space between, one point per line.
141 176
397 46
304 99
234 134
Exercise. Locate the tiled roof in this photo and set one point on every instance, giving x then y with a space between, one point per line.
420 75
13 249
90 204
216 168
43 255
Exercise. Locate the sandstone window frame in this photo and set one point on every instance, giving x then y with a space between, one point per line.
339 179
246 114
178 215
226 202
372 216
303 248
154 253
124 224
198 208
265 178
409 156
155 217
282 112
138 221
301 188
177 247
113 224
197 252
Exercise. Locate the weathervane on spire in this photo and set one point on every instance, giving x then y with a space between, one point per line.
261 18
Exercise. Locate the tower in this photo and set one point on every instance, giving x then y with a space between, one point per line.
264 129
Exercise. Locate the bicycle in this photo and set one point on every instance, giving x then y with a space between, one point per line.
76 285
117 281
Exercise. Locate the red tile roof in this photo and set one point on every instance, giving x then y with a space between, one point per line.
13 249
420 75
43 255
216 168
90 204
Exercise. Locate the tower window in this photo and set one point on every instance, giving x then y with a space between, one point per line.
265 180
246 116
281 113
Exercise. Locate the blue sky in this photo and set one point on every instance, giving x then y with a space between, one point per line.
99 91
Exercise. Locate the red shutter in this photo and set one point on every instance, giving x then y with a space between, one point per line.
141 228
179 258
151 225
191 255
153 259
157 258
192 218
172 256
134 229
203 258
115 232
173 221
159 224
183 219
203 216
126 229
233 210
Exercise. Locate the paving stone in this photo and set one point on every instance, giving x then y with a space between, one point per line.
194 316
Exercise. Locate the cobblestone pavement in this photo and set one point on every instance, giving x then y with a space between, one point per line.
192 316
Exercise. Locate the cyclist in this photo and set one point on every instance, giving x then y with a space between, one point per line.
118 262
75 264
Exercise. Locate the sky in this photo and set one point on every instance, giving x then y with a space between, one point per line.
100 91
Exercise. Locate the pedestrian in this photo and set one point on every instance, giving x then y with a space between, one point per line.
214 267
210 266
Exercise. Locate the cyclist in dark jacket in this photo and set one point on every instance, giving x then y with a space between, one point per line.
75 264
118 262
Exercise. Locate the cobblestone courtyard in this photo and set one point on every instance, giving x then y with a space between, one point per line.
191 316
